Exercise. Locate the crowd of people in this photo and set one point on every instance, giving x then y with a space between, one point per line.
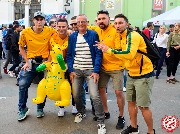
93 56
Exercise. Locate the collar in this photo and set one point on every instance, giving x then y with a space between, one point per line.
86 34
124 34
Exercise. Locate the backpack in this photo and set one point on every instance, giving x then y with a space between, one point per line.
8 41
152 49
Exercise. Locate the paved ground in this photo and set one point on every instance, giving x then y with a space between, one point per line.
165 101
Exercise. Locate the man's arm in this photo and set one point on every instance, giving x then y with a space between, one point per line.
69 55
131 49
98 56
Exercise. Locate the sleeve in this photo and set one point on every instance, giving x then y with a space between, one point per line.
98 56
169 41
22 40
13 39
117 42
69 55
131 50
147 33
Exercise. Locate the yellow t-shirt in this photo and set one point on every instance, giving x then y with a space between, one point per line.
112 39
130 55
63 44
37 44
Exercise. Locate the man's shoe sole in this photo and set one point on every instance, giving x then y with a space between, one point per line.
24 116
40 116
133 132
119 128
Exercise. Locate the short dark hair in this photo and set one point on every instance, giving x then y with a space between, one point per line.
74 17
103 12
149 24
51 22
23 26
15 22
121 16
16 26
171 26
62 20
10 26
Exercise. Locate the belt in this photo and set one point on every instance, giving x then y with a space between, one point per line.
35 62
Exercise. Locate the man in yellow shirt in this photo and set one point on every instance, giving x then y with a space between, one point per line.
36 38
140 74
111 66
62 39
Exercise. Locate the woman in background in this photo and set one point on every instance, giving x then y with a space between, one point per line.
173 54
161 40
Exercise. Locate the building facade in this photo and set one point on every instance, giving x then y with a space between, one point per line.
137 11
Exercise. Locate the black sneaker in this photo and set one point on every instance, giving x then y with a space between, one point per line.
121 123
106 115
130 130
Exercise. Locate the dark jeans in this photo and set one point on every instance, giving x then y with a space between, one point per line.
16 60
161 60
68 78
9 58
25 81
1 50
173 61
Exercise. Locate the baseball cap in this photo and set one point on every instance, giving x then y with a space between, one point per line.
39 13
4 25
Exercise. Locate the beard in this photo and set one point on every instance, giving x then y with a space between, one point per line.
103 26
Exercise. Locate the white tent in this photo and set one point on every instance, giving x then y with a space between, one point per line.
170 17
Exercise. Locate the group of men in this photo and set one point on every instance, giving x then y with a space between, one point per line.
94 56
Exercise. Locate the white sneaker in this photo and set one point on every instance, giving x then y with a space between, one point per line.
79 117
74 110
101 129
11 74
61 112
124 89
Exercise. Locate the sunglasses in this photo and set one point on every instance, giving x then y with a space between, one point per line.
73 24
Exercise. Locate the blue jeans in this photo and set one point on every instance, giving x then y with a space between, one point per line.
16 61
25 81
78 93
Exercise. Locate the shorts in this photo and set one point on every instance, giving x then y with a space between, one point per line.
139 91
117 79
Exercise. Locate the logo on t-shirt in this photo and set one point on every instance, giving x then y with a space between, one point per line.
169 123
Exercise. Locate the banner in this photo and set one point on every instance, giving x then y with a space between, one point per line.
58 16
158 4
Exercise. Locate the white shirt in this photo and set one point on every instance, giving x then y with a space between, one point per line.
161 40
82 59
